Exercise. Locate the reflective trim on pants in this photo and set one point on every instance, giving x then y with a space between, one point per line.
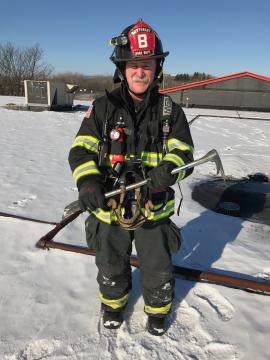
114 303
158 310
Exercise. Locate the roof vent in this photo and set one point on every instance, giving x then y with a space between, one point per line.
229 208
259 177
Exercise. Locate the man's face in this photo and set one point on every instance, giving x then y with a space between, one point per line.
140 74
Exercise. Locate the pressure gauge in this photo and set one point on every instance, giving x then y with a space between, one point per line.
115 134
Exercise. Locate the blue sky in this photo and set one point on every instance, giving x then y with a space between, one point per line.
219 37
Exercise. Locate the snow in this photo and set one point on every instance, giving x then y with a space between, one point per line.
49 307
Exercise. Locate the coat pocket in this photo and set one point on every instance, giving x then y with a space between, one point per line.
91 231
174 240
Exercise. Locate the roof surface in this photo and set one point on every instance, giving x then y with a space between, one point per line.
215 80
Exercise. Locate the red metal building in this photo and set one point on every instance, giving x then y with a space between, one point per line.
243 90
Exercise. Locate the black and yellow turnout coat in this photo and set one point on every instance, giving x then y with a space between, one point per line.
143 141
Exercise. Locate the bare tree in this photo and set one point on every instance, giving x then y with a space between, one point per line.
17 64
35 69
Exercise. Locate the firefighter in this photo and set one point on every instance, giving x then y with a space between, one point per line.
129 134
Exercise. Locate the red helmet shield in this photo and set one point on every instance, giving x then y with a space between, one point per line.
142 40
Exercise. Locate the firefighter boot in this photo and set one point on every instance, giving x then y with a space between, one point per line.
156 325
112 319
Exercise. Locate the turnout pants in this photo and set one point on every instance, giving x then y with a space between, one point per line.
113 246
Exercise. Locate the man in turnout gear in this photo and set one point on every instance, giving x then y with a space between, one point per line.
129 134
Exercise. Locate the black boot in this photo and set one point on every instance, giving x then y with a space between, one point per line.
112 319
156 325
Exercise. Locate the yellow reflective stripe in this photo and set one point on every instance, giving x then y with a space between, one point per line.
158 310
109 216
175 159
166 211
87 168
177 144
105 216
178 161
115 303
151 158
88 142
181 175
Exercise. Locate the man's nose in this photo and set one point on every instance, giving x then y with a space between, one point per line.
140 72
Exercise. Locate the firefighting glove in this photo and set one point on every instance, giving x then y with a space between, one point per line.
161 176
91 196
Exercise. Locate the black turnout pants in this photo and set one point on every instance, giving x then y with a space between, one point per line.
113 247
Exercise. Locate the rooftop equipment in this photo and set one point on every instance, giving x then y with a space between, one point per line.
49 95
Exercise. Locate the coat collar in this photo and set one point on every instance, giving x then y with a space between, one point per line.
120 97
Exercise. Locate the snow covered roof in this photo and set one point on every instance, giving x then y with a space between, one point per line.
49 306
215 80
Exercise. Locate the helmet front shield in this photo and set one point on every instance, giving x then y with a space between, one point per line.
137 42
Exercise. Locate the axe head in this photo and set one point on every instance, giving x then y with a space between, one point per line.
71 209
213 156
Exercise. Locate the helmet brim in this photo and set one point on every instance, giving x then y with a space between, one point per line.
159 56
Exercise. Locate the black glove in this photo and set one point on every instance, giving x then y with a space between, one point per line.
91 196
161 176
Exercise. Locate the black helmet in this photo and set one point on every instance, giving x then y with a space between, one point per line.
136 42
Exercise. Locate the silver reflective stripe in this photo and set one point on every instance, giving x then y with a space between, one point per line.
89 142
109 216
151 158
178 161
175 159
158 310
87 168
177 144
166 211
105 216
114 303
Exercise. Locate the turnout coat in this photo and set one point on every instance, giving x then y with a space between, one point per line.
143 123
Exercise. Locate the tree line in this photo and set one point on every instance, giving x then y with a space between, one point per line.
19 64
196 76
